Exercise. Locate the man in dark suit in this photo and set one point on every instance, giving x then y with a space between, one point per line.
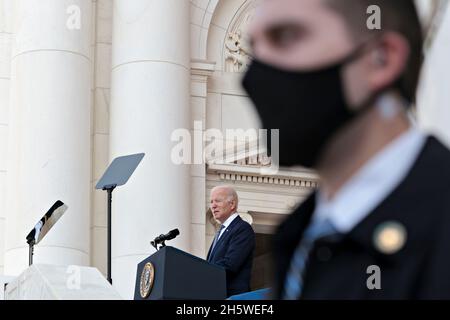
337 78
234 243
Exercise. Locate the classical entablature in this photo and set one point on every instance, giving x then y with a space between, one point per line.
253 165
255 173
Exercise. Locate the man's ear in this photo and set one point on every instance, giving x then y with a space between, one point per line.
388 61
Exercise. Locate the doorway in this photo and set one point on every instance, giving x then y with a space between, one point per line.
262 264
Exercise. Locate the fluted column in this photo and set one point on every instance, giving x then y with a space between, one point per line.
49 130
5 75
149 100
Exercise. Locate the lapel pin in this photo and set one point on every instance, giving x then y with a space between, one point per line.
390 237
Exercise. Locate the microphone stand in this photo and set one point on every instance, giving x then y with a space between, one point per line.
30 252
109 190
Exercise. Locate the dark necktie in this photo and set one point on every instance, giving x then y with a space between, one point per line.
216 239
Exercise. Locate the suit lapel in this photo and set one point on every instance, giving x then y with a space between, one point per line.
288 236
406 205
291 230
209 251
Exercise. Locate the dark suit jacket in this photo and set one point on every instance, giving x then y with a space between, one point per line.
420 270
234 252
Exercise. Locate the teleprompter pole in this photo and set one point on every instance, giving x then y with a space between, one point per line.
109 190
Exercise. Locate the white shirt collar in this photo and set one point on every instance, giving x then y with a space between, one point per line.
230 219
372 184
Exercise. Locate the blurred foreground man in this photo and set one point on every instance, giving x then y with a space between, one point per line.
234 243
379 225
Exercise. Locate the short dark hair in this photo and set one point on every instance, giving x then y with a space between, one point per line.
400 16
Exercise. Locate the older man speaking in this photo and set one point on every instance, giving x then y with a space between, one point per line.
234 243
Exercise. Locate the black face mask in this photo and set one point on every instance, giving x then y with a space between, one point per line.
307 107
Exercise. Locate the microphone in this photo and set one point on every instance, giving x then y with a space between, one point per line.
165 237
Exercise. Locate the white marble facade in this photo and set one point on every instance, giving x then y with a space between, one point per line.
134 71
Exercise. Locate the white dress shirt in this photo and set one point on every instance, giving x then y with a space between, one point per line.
227 223
371 184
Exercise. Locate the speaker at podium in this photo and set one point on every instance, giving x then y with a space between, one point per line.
172 274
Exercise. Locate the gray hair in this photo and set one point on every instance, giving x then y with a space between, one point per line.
231 193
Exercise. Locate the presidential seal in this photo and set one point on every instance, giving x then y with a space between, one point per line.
147 279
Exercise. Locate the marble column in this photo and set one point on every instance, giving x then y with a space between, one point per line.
434 96
149 100
5 75
49 130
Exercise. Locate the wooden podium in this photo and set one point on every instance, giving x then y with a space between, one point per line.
172 274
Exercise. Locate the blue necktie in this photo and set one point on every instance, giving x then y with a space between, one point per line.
216 239
293 285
